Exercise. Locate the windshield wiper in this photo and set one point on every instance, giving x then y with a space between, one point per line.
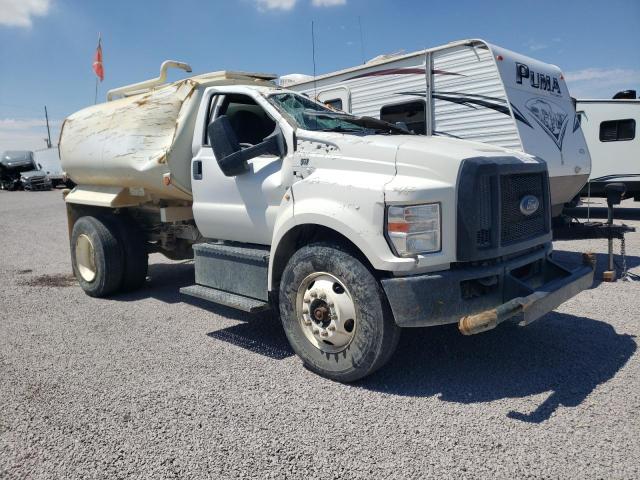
328 114
391 131
379 126
342 130
368 124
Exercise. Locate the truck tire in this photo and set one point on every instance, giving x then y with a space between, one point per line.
96 256
335 313
134 251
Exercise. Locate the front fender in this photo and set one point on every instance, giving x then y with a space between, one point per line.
356 212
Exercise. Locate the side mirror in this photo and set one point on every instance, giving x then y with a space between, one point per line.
231 158
40 166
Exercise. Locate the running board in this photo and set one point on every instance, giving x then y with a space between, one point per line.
240 269
232 300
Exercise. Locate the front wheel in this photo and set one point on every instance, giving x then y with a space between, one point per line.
335 313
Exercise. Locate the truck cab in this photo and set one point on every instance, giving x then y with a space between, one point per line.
348 227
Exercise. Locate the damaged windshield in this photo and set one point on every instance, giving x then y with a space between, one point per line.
310 115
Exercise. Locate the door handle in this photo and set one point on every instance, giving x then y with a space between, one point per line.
196 169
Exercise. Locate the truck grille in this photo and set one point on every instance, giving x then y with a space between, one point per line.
515 225
483 234
36 183
490 222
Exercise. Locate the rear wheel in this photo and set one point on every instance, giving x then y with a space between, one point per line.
96 256
134 251
335 313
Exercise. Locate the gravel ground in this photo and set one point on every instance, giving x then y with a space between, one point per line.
154 385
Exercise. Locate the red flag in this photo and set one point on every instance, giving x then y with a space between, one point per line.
97 61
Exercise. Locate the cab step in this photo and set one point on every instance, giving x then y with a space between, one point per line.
233 300
240 269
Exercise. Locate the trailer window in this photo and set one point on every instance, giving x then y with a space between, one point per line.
617 130
335 103
412 114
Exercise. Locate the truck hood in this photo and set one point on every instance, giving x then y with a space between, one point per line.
436 159
439 158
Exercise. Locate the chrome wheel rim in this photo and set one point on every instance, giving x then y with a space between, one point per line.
85 258
326 312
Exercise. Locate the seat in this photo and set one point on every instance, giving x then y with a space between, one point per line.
250 127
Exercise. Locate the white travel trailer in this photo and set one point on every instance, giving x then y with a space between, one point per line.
473 91
610 129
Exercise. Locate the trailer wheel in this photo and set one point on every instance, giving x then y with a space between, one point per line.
135 255
96 256
335 313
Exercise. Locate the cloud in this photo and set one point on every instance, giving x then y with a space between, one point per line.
601 74
19 13
275 4
601 82
535 46
328 3
287 5
26 134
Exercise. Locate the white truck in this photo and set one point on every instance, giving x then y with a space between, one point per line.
49 161
349 226
473 90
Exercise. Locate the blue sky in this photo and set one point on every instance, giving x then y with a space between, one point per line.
47 46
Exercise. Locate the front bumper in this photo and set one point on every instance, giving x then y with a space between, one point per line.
481 297
37 185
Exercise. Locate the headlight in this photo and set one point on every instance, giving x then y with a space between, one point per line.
413 229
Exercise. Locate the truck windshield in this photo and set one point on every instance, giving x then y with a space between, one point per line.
310 115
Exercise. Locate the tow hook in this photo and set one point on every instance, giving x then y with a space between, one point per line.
489 319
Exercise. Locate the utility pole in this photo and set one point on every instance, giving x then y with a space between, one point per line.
46 116
361 41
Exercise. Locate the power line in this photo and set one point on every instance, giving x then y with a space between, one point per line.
46 116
